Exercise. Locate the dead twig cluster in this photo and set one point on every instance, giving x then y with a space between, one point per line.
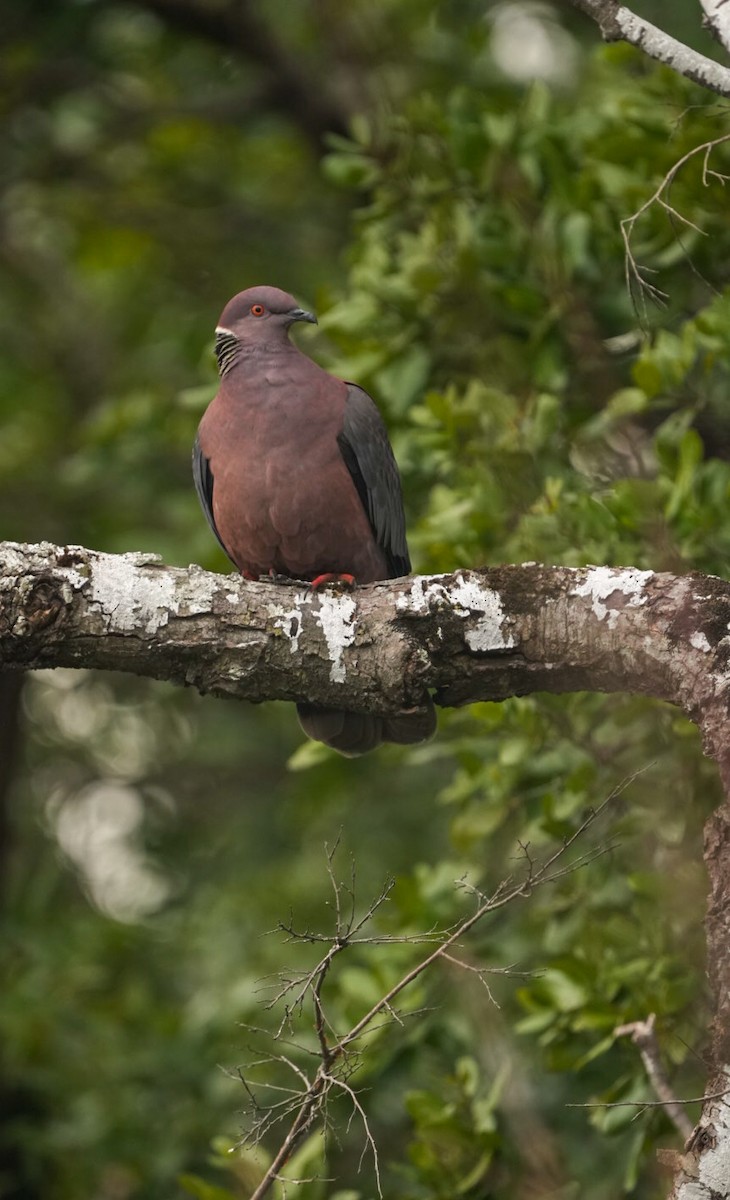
335 1054
637 283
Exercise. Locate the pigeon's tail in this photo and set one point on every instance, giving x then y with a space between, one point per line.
357 733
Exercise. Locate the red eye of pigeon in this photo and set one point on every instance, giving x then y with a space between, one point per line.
257 310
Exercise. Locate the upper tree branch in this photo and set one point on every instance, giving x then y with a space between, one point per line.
619 24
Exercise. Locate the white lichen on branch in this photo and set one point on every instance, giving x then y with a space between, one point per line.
467 597
611 591
336 616
139 602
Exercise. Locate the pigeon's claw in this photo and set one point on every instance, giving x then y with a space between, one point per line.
322 580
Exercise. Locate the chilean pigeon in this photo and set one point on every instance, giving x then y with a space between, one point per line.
296 477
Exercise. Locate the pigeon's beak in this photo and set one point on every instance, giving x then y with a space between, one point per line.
301 314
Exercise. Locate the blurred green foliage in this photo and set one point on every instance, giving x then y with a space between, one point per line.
154 836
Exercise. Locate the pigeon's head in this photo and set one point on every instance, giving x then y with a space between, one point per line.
261 315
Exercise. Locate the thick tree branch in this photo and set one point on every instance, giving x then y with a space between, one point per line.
619 24
473 635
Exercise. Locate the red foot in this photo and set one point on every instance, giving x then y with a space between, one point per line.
249 576
321 580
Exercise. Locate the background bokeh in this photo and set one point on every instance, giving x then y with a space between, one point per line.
443 181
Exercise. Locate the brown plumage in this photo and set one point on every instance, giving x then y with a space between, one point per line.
296 476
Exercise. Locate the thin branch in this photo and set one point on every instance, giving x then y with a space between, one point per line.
480 972
620 24
642 1104
635 274
643 1035
369 1139
345 935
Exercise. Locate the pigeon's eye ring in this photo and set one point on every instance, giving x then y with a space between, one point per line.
257 310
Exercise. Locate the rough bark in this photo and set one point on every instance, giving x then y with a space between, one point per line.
471 635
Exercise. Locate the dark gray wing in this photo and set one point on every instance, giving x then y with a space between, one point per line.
203 477
370 460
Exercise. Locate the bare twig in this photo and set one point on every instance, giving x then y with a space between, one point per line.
642 1104
478 971
643 1035
369 1139
345 933
635 274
